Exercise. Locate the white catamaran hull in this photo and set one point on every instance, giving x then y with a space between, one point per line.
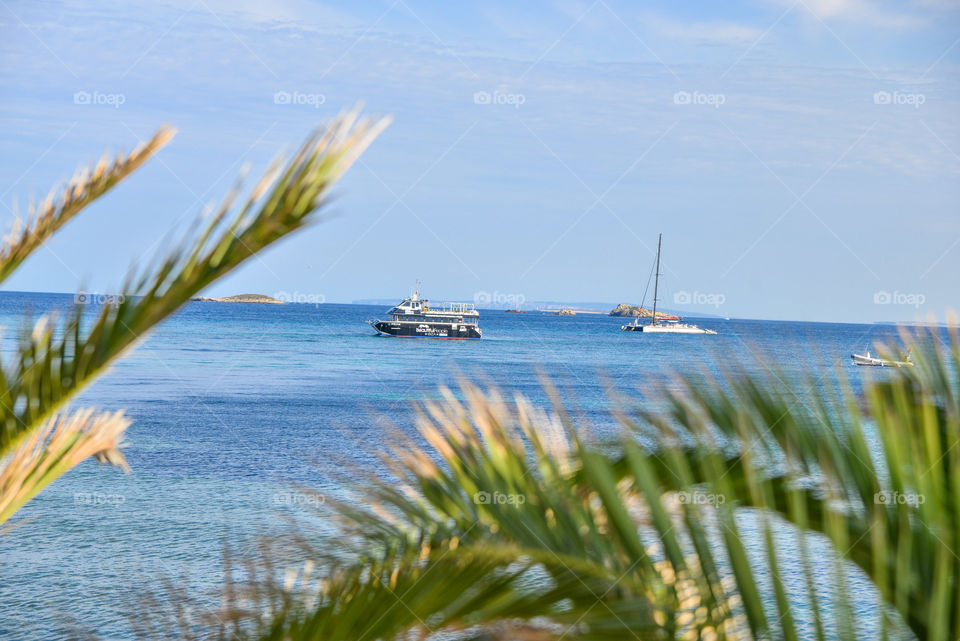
865 360
675 329
659 326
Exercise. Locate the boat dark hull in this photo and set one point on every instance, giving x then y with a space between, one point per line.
426 330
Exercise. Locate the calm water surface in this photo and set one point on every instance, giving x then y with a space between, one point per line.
235 404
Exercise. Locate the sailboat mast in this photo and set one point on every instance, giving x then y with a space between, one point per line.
656 281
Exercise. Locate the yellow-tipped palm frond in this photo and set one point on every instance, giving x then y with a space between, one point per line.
875 472
54 362
508 525
57 209
55 448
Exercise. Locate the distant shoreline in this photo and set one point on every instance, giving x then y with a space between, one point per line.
688 314
259 299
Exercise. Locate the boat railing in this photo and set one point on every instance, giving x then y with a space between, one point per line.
451 308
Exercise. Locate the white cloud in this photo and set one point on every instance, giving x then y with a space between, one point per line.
718 32
878 14
276 12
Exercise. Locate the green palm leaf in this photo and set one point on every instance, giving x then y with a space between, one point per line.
56 361
59 208
554 538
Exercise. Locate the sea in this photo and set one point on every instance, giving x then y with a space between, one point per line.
237 407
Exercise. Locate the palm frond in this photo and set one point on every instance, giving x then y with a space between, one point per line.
608 541
51 451
52 366
53 362
520 529
876 472
60 206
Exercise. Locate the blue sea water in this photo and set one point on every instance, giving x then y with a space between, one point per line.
235 404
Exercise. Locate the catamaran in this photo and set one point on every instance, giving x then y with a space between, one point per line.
656 326
867 360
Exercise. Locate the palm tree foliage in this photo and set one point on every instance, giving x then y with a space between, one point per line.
55 360
504 522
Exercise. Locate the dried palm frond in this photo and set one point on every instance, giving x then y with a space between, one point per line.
53 449
61 205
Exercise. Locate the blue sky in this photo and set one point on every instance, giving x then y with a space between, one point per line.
800 157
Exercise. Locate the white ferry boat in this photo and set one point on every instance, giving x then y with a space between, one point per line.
415 318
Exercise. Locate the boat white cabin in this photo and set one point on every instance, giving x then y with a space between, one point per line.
414 317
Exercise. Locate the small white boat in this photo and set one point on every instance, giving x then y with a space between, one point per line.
867 360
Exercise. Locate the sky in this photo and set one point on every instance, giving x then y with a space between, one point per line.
800 157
